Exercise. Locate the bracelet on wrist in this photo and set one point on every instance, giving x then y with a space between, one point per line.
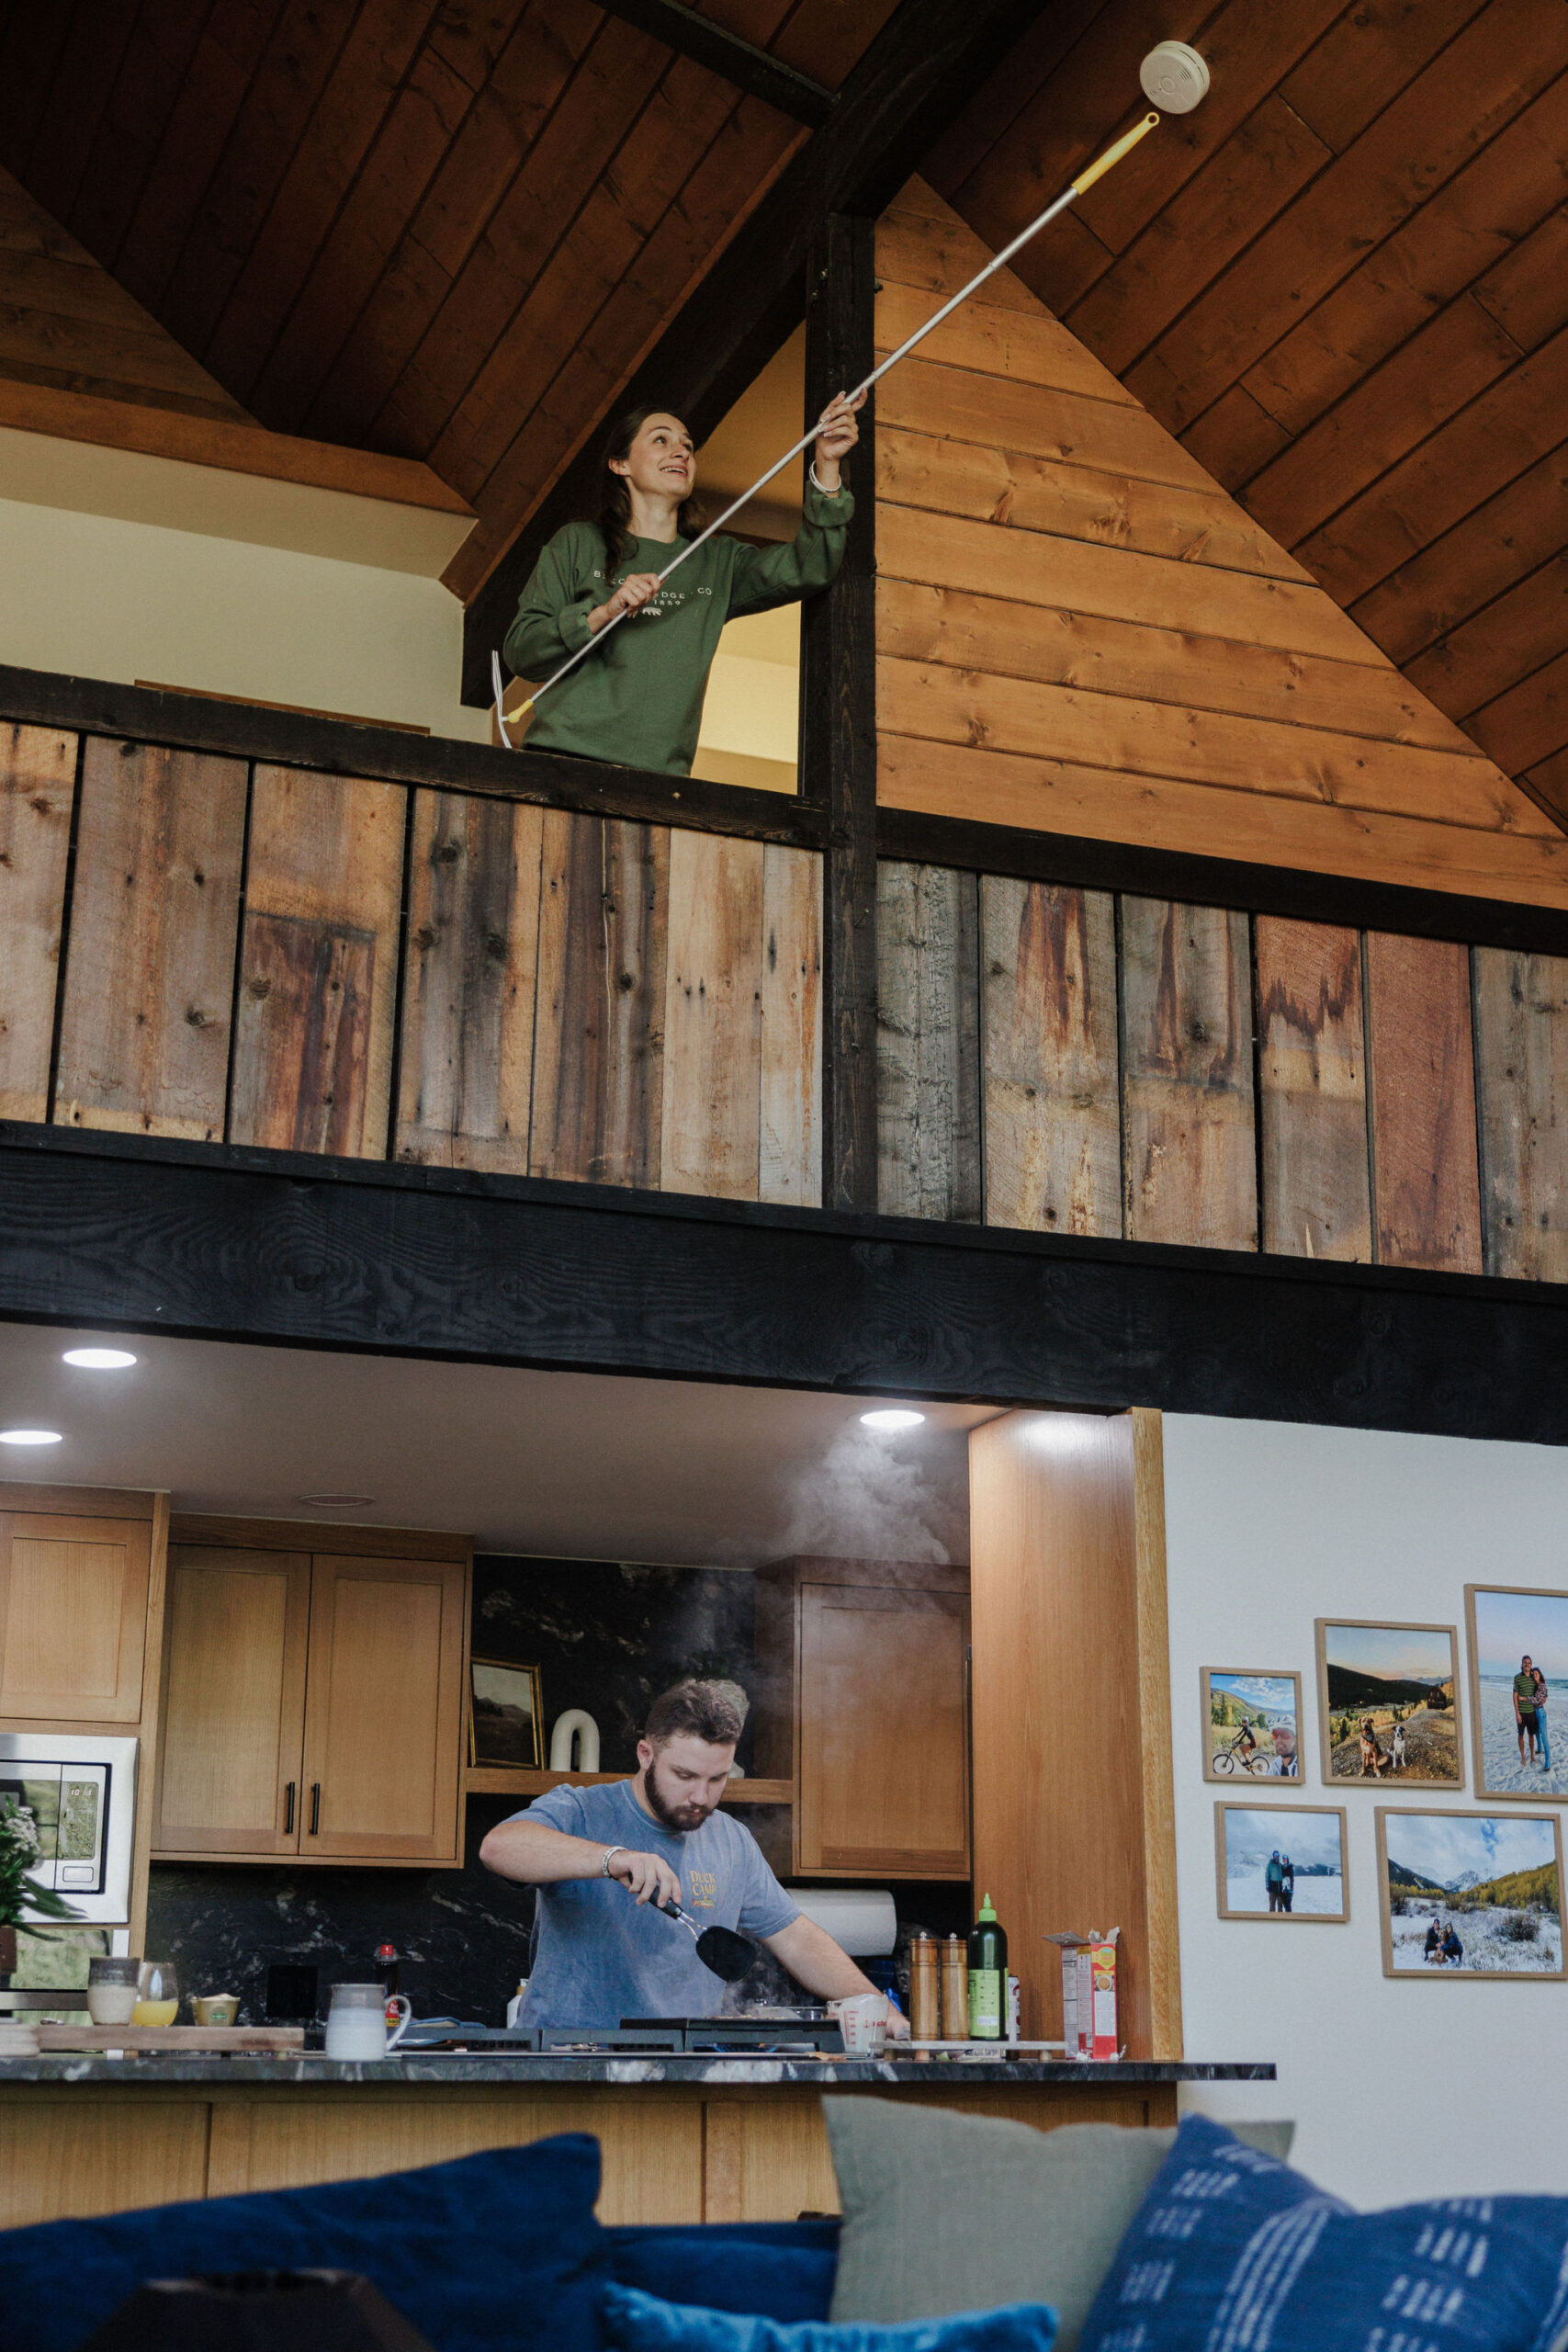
609 1856
817 484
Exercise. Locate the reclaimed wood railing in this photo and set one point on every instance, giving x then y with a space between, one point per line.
1082 1061
217 945
201 946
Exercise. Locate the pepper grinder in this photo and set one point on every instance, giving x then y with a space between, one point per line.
955 1989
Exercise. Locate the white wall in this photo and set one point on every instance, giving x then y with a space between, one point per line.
1400 2089
105 597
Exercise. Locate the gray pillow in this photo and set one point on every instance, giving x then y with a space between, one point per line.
947 2213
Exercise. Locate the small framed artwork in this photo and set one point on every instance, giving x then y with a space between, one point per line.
1252 1724
1281 1861
1470 1894
1388 1703
506 1717
1518 1681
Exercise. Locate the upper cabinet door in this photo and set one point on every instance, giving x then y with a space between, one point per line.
234 1702
883 1736
383 1711
73 1617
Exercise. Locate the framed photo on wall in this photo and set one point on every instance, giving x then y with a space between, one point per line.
1252 1725
1388 1707
1518 1690
1281 1862
1470 1894
506 1717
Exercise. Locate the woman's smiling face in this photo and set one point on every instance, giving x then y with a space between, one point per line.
662 461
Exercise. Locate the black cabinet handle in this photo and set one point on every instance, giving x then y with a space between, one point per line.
315 1807
288 1809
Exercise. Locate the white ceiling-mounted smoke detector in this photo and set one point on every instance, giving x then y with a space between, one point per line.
1174 78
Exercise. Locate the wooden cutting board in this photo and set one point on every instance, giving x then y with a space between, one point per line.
229 2038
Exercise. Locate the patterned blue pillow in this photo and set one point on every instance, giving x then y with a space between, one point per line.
638 2323
1231 2251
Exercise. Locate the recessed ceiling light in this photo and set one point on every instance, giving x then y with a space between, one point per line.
29 1437
99 1359
893 1417
338 1502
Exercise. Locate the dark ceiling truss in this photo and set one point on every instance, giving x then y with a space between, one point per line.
920 72
738 62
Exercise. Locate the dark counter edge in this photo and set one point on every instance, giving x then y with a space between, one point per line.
625 2073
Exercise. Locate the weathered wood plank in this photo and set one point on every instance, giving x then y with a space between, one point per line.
1190 1168
1421 1075
598 1055
472 955
150 970
928 1059
318 964
1521 1043
1312 1084
1053 1117
791 1161
38 784
713 1017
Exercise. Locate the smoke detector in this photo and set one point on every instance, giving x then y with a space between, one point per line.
1174 78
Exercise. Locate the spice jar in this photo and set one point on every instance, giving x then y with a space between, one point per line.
925 1990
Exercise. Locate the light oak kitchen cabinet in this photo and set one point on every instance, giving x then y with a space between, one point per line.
313 1699
862 1670
73 1616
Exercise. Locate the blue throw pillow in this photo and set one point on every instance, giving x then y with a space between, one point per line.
781 2271
495 2253
636 2322
1230 2249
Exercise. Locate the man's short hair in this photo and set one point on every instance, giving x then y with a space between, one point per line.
701 1709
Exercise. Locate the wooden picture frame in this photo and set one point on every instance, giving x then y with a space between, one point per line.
1432 1733
1239 1775
492 1741
1545 1788
1461 1913
1291 1817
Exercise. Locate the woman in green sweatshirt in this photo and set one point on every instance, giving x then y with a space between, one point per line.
638 699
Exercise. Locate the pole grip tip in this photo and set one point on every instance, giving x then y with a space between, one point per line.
1114 152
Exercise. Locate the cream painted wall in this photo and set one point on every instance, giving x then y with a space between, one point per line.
108 598
1400 2089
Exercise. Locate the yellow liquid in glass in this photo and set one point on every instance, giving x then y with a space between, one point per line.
155 2013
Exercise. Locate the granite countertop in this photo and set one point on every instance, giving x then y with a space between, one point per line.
423 2067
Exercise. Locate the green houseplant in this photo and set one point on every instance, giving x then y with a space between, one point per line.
21 1896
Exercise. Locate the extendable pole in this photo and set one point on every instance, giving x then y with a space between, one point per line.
1086 179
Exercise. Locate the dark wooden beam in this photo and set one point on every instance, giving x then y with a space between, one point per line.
736 60
105 1232
916 76
838 723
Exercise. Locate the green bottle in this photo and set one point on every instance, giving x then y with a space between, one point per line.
988 1978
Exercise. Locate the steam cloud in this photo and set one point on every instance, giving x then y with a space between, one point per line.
860 1501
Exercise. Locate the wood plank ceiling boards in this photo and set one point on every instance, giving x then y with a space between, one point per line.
1343 284
432 233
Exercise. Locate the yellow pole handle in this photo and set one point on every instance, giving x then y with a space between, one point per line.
1128 140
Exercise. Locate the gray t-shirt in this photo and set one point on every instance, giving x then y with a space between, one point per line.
600 1956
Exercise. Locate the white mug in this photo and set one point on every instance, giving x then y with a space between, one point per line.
357 2021
864 2020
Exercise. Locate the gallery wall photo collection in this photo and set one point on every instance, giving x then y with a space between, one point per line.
1472 1894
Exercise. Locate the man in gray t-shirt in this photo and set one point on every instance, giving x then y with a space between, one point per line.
601 1858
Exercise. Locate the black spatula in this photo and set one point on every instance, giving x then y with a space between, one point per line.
728 1955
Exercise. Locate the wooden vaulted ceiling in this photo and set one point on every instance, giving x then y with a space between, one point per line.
452 232
1343 283
445 232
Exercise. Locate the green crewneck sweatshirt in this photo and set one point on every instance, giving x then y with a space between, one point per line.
638 699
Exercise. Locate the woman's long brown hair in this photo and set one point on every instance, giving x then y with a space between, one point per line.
614 493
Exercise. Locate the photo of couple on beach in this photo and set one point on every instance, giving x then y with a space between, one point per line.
1519 1662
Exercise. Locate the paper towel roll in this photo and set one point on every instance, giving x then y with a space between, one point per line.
862 1918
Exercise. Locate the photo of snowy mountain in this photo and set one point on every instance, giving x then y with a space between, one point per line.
1469 1894
1281 1862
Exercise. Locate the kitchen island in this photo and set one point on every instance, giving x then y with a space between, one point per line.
684 2139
